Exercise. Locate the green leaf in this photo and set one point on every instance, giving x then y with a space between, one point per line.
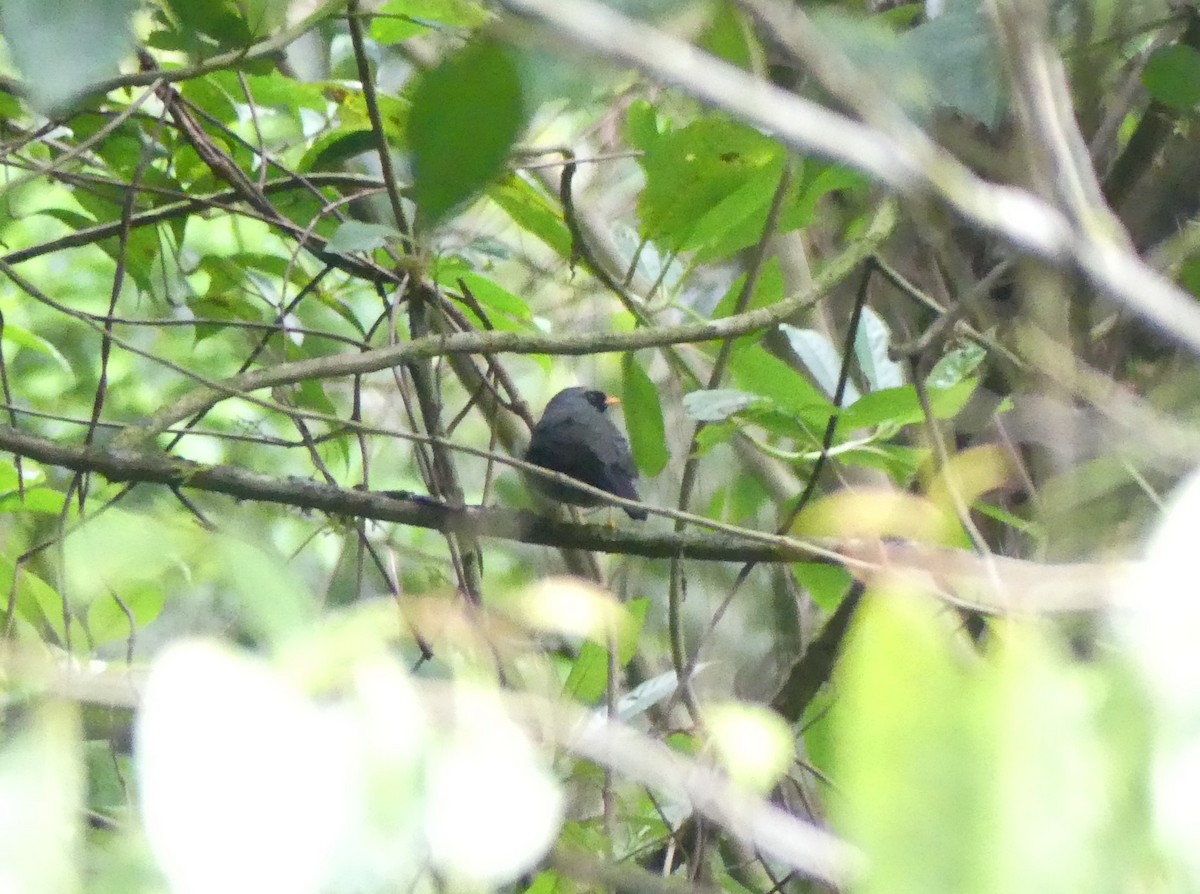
643 417
37 602
728 37
332 150
818 181
902 406
767 291
589 672
708 186
33 342
897 462
756 370
215 19
641 124
489 294
1172 76
978 776
465 116
955 366
392 28
141 244
897 406
714 434
357 235
532 212
274 90
64 46
747 495
827 584
737 220
217 306
310 395
401 19
41 500
108 622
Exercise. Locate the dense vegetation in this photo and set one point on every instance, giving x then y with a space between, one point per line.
900 303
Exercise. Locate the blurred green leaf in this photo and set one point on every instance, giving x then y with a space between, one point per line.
641 124
643 417
221 307
970 776
728 37
109 620
26 339
708 187
917 739
955 366
332 150
532 212
215 19
486 291
756 370
466 113
818 179
357 235
947 62
401 19
589 672
956 54
41 500
767 291
36 602
64 46
826 583
1172 76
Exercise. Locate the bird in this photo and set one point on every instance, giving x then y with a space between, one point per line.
576 437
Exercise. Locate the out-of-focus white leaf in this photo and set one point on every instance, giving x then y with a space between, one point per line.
493 807
754 744
1159 618
246 785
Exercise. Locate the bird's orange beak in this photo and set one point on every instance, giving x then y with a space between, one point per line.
611 401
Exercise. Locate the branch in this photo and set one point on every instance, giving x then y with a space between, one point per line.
1001 586
190 206
351 363
118 465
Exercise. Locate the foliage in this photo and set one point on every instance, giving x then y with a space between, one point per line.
901 313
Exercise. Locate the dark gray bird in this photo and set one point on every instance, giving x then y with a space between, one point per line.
576 437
